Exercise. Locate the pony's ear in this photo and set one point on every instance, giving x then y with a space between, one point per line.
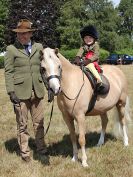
56 51
45 46
41 55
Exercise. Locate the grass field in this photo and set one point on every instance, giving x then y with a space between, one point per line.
110 160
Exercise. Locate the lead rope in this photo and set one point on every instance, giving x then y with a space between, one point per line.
50 118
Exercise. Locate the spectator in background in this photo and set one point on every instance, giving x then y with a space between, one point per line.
119 60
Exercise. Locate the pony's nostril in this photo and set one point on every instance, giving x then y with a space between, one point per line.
55 90
59 89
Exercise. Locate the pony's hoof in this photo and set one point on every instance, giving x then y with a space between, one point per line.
100 144
84 164
74 159
126 144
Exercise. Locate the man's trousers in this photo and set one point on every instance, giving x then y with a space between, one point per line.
35 106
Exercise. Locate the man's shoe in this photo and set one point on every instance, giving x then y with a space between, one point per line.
26 159
43 152
42 157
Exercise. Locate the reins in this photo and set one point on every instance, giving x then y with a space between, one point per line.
76 97
78 92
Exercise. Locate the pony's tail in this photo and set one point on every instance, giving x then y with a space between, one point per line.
117 131
128 112
129 120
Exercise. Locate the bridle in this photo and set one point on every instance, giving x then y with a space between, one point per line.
54 76
46 82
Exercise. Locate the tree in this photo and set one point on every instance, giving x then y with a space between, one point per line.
3 18
77 13
72 17
42 14
126 13
105 19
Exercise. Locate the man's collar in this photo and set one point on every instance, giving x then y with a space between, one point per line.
19 45
29 43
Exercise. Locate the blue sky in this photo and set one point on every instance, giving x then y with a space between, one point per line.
116 2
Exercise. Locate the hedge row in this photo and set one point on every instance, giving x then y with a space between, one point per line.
128 51
70 55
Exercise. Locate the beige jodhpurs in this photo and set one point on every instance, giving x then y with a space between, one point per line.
93 70
35 106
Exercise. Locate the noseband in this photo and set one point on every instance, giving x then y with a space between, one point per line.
54 76
46 83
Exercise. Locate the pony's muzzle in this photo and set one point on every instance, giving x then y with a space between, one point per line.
54 85
56 91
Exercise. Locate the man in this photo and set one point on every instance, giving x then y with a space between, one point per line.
24 86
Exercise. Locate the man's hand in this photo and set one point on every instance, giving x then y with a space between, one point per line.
14 99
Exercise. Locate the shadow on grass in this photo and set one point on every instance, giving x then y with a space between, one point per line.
13 147
62 147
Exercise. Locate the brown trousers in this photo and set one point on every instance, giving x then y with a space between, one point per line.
35 106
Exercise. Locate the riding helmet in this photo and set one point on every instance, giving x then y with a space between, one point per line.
89 31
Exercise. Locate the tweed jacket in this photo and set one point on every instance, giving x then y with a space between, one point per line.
22 72
84 49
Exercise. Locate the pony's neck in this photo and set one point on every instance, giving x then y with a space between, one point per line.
65 63
68 72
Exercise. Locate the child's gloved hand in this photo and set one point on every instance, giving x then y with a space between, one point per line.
85 62
77 61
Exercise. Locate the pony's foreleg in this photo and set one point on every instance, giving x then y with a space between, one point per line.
121 110
70 124
81 125
104 120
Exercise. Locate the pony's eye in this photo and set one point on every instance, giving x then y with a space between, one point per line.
41 57
43 69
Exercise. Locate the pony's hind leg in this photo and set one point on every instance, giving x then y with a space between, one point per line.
104 120
70 124
121 110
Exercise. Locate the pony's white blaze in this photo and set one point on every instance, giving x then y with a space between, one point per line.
50 66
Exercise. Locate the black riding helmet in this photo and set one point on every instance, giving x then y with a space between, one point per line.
89 31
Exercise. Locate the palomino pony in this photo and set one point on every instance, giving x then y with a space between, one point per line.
74 93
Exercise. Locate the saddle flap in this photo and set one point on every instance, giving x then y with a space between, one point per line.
93 81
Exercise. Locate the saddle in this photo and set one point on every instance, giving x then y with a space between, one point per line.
103 91
94 84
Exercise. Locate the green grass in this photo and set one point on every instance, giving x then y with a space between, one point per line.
110 160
